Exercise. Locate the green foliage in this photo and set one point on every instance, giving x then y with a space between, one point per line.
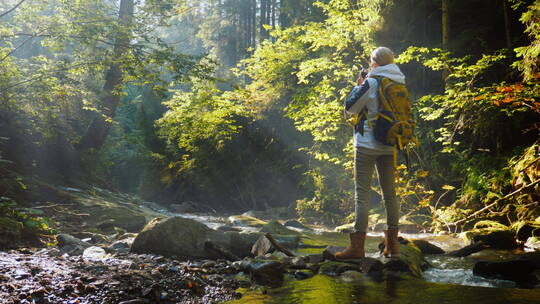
200 116
32 221
529 65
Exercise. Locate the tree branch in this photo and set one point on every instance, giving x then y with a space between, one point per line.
12 9
497 201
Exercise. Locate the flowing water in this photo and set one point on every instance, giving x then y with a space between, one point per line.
449 280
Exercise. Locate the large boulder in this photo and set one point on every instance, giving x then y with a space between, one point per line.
178 236
240 243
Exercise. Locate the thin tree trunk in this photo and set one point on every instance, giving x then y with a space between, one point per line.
97 131
445 32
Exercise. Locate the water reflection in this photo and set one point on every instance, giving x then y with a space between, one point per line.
327 290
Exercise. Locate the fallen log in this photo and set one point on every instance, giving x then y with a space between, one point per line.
277 245
468 250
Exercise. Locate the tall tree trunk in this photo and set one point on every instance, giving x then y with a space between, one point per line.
445 24
254 22
97 131
263 19
507 24
273 16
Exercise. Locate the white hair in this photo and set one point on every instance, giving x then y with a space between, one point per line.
382 56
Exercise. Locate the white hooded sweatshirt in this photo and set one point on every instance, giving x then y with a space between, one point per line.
365 96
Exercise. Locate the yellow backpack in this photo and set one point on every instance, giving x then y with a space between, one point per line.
395 124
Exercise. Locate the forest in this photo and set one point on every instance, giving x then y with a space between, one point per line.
115 113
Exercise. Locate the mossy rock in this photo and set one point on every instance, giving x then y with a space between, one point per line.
334 268
494 238
178 236
411 261
246 221
275 227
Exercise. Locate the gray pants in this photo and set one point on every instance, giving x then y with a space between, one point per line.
363 173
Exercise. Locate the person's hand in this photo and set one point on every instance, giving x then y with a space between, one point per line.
362 78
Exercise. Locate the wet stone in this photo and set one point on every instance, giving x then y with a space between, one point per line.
303 274
330 252
333 268
267 272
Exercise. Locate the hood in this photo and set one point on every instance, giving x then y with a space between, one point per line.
391 71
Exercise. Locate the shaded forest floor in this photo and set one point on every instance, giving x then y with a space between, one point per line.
42 276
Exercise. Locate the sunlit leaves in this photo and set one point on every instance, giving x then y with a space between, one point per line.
200 116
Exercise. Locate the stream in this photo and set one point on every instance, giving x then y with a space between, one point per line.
449 280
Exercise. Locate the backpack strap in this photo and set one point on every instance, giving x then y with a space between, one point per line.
364 114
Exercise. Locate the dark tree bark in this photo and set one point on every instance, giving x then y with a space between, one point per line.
254 23
445 24
263 19
507 24
97 131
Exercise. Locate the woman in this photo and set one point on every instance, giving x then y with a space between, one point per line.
370 153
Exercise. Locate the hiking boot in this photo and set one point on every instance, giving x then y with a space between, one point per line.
391 248
356 249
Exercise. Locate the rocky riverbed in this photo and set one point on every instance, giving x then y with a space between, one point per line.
115 249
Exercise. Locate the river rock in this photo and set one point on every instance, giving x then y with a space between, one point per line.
121 246
262 246
178 236
65 239
275 227
245 221
495 239
241 243
370 266
296 224
351 276
94 253
314 258
330 252
334 268
519 271
267 272
427 248
303 274
410 262
298 262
